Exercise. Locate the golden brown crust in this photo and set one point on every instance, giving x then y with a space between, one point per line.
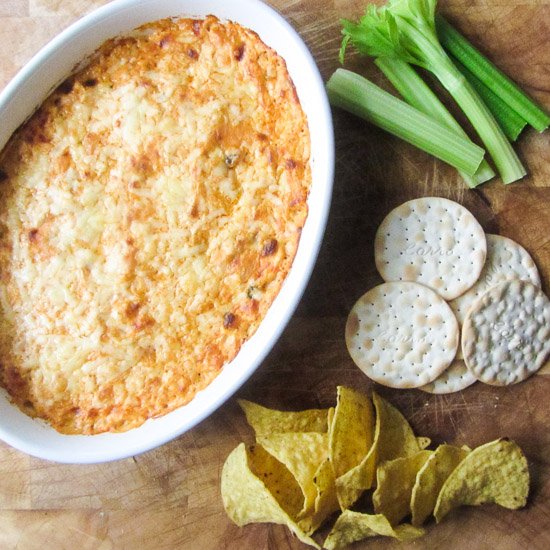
151 210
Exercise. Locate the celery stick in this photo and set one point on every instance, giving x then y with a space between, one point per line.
511 123
361 97
418 94
492 77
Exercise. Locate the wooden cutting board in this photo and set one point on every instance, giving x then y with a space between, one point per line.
169 498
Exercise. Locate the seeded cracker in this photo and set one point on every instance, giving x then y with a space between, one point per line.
506 260
455 378
506 333
402 335
433 241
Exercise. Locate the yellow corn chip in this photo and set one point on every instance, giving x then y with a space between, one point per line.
351 435
277 478
401 442
354 482
351 485
430 479
351 430
496 472
395 482
302 454
246 497
396 438
266 421
326 501
354 526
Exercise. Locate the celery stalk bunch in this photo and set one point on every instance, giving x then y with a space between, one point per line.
406 30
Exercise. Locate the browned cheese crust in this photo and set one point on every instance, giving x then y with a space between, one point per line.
151 209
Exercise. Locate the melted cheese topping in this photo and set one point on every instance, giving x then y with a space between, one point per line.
150 212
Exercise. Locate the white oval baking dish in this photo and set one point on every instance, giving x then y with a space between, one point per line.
53 64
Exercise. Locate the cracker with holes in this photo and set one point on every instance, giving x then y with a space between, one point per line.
506 260
402 334
455 378
432 241
506 333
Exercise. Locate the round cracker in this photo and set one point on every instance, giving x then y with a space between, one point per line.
455 378
432 241
506 259
402 335
506 333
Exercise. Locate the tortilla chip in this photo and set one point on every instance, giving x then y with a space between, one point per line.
302 454
326 501
351 431
277 478
431 478
396 438
354 482
266 421
354 526
395 482
246 497
496 472
351 435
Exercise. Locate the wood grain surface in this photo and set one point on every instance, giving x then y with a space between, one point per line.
169 498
